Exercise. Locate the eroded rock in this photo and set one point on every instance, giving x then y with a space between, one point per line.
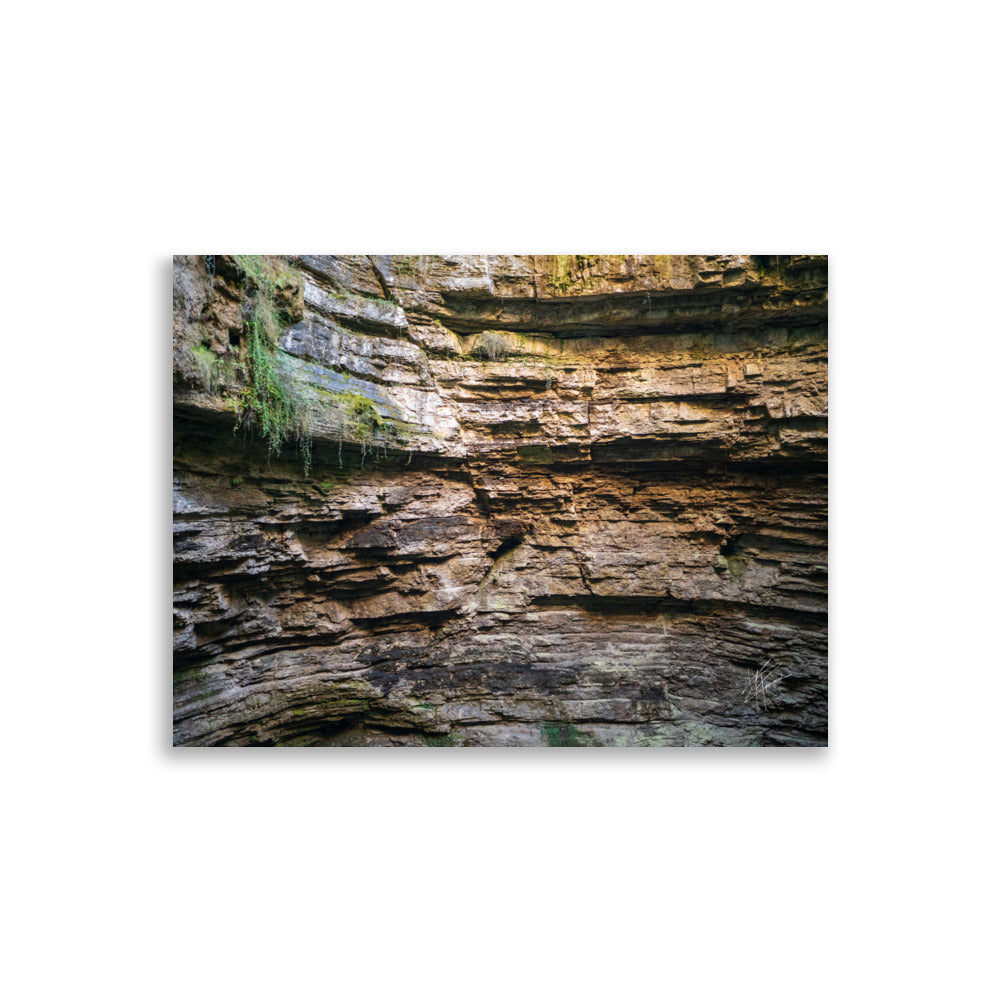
553 501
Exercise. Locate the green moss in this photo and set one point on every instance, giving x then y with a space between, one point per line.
562 734
737 566
449 739
664 265
265 273
568 269
206 364
410 263
361 421
563 268
366 421
770 268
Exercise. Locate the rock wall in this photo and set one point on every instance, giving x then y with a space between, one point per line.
586 504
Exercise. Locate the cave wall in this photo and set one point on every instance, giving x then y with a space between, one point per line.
592 509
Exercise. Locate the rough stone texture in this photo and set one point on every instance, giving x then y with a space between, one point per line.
596 513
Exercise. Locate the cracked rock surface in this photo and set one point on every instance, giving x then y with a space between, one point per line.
592 512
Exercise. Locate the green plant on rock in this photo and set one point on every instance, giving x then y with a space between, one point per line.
493 346
562 734
361 421
267 274
272 404
365 420
564 268
448 739
206 365
406 263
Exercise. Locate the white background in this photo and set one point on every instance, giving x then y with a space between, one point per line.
862 130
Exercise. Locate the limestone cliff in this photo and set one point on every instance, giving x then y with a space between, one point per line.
556 500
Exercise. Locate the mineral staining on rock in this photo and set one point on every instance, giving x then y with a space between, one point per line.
551 501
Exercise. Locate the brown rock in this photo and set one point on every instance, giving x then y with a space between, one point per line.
553 501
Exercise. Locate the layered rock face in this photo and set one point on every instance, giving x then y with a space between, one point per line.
575 500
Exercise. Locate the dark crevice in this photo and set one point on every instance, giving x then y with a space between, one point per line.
508 545
380 278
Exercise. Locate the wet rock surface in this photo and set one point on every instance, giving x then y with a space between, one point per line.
590 507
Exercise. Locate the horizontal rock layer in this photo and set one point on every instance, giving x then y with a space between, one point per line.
592 510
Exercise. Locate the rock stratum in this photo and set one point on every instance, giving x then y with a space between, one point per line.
553 500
